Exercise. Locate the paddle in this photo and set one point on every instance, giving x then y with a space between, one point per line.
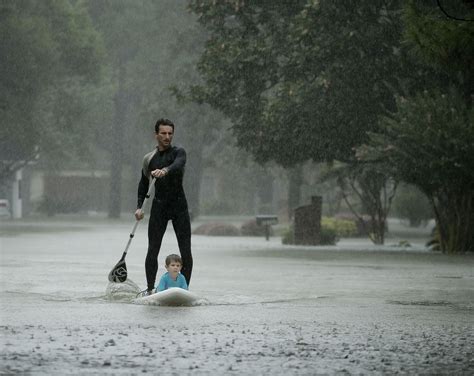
118 273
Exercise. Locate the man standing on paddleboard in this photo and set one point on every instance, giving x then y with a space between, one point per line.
165 163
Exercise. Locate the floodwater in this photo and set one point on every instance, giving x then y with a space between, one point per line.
265 308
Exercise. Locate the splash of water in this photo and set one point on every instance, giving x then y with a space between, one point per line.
124 291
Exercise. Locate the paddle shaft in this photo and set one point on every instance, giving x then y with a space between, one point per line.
132 234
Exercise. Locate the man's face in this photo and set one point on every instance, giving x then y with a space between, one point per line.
164 136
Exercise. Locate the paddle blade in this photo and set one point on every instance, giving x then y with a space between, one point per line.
119 272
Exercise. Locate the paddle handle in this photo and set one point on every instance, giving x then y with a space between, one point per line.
132 234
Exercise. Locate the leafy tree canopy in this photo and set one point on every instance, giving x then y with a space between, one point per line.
304 79
48 48
441 42
429 140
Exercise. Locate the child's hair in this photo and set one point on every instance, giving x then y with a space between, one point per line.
173 258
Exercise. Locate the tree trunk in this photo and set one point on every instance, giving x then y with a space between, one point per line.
265 192
295 176
375 192
116 165
454 212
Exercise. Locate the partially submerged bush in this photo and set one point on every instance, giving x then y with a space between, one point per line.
217 229
362 225
344 228
328 235
288 236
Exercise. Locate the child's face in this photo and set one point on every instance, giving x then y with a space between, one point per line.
174 268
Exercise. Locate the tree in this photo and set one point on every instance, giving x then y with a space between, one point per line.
429 140
304 80
152 48
442 44
121 24
310 77
373 187
49 52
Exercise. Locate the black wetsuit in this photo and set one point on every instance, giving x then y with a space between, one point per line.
169 204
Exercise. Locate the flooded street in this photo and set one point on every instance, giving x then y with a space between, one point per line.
266 308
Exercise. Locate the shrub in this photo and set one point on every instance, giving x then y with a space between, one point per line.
217 229
328 236
362 225
287 236
344 228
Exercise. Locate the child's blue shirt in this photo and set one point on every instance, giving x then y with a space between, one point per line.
166 282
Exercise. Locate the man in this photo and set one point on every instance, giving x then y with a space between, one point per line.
165 163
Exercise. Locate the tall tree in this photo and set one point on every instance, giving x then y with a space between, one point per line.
374 187
429 140
50 52
151 47
306 79
310 77
121 24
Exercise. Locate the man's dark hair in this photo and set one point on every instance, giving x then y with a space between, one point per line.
163 121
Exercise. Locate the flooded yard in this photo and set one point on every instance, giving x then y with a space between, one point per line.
354 308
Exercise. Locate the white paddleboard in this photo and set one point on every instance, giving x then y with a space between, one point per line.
174 296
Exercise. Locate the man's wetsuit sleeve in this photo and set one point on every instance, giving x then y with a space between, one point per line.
179 161
142 190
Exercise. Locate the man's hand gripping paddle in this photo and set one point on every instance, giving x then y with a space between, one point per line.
118 273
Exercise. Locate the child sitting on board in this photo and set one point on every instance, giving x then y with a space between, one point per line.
173 277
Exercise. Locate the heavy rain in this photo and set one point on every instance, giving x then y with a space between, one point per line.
312 162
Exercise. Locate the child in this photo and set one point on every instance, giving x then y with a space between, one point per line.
173 277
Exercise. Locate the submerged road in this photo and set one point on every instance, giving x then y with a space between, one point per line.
268 309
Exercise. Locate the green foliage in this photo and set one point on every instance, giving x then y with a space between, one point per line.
328 235
429 142
46 48
288 236
344 228
152 51
305 80
441 42
300 80
372 187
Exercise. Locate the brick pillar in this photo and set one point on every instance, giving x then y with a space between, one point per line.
307 228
